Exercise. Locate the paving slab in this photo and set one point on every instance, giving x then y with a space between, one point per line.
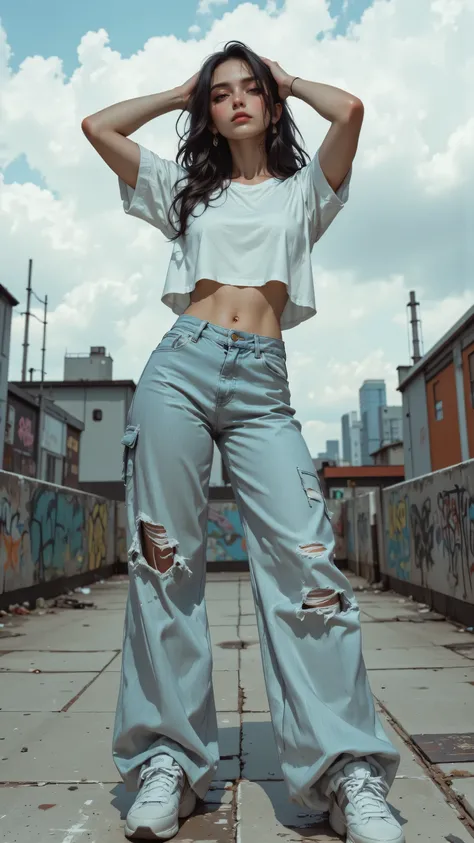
457 770
96 813
228 723
41 691
61 748
409 695
224 633
252 680
410 766
223 612
265 814
259 752
249 632
412 657
422 810
229 768
464 789
247 621
100 696
96 632
403 634
226 690
224 658
65 662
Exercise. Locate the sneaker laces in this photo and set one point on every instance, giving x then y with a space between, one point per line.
368 795
158 783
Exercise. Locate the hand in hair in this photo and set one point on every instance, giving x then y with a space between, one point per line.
281 77
187 89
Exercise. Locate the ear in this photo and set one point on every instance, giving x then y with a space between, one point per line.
277 112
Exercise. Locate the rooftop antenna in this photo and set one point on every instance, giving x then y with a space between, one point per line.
415 324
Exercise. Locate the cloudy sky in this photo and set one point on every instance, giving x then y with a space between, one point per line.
405 226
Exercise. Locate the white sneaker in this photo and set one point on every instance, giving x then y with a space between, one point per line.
163 797
359 806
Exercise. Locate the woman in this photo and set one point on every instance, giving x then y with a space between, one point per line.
243 209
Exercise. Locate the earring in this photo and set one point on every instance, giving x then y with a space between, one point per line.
215 140
275 130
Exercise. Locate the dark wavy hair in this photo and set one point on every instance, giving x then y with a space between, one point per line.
209 167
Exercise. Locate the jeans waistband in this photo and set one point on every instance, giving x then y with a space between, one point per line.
230 337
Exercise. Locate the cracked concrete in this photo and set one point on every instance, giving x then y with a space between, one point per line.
57 779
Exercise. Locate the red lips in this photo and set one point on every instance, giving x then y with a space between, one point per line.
240 114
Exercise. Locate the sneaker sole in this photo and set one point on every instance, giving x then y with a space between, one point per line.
146 832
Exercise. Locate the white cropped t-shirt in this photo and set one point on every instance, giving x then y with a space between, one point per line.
248 236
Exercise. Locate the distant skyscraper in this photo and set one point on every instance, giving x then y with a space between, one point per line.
332 449
351 438
372 395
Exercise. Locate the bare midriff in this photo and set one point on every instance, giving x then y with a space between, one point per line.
256 310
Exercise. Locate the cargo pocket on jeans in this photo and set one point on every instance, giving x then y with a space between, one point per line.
129 441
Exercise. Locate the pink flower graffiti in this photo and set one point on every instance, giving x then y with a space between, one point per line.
25 434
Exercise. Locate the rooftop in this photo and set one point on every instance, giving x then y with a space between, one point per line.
462 323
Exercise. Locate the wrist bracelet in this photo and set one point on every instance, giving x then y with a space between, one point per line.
294 80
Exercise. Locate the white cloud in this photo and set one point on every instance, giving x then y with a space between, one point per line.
205 6
406 226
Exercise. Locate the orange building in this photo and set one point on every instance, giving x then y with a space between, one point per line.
438 402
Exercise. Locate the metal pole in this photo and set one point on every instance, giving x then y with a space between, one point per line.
43 350
27 321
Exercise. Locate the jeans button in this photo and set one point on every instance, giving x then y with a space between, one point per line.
235 337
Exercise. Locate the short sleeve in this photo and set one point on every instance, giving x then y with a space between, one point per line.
154 191
322 202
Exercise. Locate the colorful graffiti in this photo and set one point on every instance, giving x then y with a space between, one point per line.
423 535
56 527
48 532
455 532
430 520
225 535
398 546
97 524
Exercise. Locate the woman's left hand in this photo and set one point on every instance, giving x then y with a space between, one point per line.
280 76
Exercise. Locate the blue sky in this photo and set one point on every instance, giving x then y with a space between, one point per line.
55 28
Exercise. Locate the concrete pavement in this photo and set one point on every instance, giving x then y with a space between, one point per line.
58 690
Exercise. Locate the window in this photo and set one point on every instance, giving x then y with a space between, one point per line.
50 468
438 403
470 363
96 415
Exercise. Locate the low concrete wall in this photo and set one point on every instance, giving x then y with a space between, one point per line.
336 508
226 545
49 532
225 534
429 533
359 520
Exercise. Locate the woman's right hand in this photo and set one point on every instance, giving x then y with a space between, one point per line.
187 89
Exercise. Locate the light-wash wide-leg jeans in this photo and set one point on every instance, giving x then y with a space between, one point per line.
205 383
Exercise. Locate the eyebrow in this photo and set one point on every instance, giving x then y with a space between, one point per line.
244 81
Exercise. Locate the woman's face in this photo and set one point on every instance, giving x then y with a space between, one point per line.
233 91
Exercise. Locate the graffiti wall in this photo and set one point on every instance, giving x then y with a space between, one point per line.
429 531
225 535
358 517
336 508
50 531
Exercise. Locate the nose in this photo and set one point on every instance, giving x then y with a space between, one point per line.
238 100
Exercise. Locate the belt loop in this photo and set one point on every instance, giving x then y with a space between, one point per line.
258 353
200 329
